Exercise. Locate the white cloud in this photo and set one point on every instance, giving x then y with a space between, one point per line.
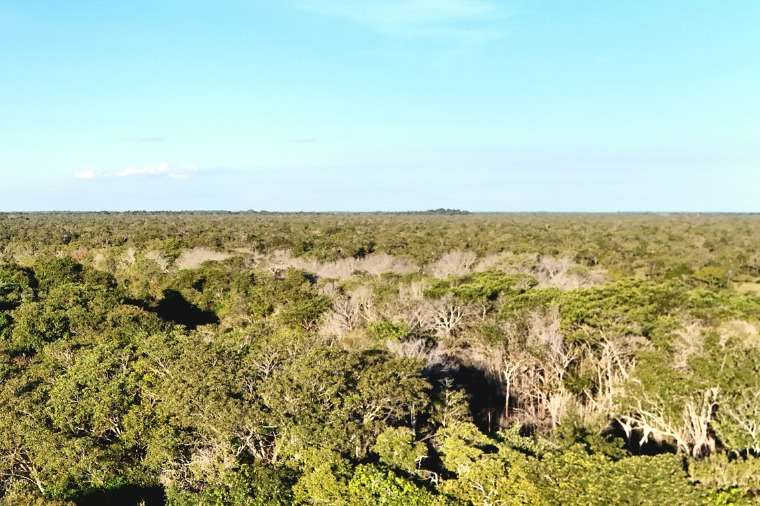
86 174
155 170
160 170
460 19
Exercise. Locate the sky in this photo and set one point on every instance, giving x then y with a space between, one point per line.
362 105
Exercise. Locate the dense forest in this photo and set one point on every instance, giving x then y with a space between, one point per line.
411 359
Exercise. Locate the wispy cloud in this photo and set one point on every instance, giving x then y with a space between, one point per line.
86 174
160 170
463 20
156 170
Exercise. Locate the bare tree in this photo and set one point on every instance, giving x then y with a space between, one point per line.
446 316
349 311
611 366
418 349
530 367
453 263
690 432
744 413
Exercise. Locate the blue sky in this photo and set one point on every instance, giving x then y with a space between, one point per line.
488 105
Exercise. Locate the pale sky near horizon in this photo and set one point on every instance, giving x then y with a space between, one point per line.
486 105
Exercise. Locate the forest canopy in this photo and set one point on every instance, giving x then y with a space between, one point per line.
431 359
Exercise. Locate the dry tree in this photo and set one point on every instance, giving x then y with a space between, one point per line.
447 316
743 414
529 365
453 263
690 431
607 365
349 311
431 354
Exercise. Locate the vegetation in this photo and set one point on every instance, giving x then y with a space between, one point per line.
418 359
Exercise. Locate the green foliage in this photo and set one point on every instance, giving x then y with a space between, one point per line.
292 299
450 404
16 285
96 391
249 485
370 485
172 248
305 312
714 276
22 497
482 286
35 325
68 309
574 477
5 325
721 473
213 287
104 390
397 448
494 479
460 446
51 272
711 305
329 479
385 330
629 307
324 479
356 397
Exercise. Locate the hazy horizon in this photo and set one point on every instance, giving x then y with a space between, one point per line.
400 212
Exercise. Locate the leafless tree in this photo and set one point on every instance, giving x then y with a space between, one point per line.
744 412
610 364
349 311
453 263
690 432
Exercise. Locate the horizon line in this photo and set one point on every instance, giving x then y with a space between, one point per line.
441 212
